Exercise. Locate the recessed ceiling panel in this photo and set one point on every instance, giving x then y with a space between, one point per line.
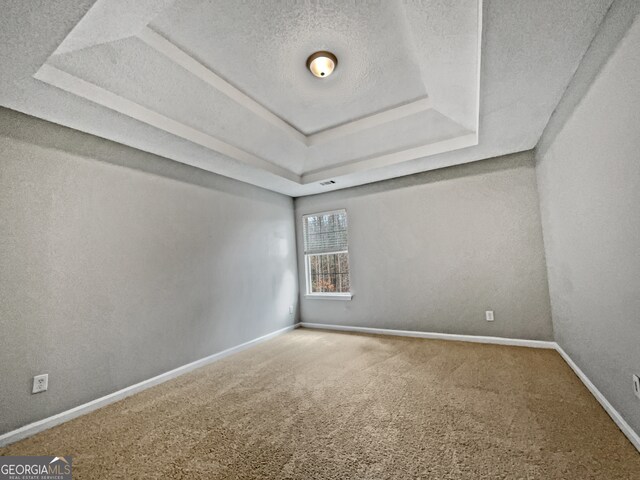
223 85
131 69
105 22
445 41
421 128
262 48
201 72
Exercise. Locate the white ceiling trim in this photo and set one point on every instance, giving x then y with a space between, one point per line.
516 37
479 63
87 90
450 144
370 121
179 57
99 95
105 22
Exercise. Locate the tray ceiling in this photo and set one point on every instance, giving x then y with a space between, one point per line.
222 85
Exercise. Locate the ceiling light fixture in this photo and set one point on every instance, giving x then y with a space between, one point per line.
322 64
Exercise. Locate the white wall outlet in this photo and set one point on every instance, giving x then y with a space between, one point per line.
290 309
488 315
636 385
40 383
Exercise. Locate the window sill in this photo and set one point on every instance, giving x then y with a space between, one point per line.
329 296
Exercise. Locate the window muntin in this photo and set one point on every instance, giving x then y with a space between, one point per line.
326 253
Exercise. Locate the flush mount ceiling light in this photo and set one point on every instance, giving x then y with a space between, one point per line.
322 64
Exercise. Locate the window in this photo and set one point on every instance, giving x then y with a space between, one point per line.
326 254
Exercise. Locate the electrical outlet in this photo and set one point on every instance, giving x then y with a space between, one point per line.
40 383
636 385
488 315
290 309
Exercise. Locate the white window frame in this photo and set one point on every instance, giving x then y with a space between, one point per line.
307 265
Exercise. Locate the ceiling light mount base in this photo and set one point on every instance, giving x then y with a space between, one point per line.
322 64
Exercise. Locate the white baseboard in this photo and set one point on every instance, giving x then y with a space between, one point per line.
33 428
40 425
633 437
436 336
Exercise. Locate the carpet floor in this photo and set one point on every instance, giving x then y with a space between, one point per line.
321 405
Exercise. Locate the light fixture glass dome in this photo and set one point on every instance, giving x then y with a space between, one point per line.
322 64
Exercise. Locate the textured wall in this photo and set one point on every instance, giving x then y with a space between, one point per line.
116 265
589 181
433 251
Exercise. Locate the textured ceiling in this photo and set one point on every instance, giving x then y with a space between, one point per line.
262 47
222 85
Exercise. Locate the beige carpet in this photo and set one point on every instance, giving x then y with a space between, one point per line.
320 405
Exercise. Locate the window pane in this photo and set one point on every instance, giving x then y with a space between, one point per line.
329 273
325 232
325 247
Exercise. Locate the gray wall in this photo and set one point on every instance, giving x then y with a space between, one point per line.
433 251
589 181
116 265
